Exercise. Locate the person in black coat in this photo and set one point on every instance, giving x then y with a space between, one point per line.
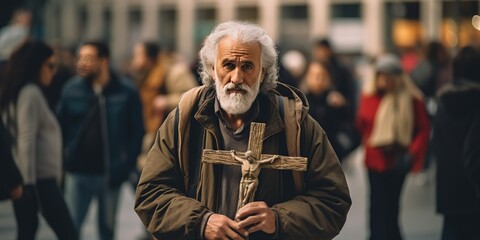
342 78
456 143
10 178
329 108
471 153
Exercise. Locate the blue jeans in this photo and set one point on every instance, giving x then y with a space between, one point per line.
79 191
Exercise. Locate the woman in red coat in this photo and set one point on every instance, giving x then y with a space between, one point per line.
395 129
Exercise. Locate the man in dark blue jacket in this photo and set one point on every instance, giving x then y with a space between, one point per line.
101 118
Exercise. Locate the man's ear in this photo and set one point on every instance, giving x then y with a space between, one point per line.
105 61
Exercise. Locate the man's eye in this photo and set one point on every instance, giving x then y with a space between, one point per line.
229 66
247 66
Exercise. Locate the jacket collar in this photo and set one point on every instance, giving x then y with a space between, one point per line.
113 82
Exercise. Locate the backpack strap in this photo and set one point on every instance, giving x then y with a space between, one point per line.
184 128
197 137
298 178
280 106
175 131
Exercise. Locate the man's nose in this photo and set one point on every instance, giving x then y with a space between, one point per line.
237 76
81 62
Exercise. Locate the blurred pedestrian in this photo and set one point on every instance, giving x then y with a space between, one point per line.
292 68
160 83
431 73
395 128
14 34
341 76
101 117
65 70
329 108
37 140
456 144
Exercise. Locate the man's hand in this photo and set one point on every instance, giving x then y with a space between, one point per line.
222 227
257 216
160 103
336 99
16 192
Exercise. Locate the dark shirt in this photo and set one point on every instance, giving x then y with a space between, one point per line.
91 158
230 175
232 140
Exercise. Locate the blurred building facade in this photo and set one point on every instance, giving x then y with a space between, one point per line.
365 27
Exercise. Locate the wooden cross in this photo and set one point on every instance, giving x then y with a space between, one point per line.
252 162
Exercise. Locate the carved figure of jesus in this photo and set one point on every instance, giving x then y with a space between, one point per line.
250 170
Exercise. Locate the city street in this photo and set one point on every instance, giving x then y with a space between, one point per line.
419 220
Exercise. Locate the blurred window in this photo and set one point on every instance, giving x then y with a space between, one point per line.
204 24
168 28
249 14
134 29
403 28
457 28
294 30
346 30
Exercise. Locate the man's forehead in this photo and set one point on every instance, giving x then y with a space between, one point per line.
229 48
88 50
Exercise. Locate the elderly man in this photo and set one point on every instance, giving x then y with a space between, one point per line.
181 197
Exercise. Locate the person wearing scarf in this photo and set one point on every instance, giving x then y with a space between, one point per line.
395 130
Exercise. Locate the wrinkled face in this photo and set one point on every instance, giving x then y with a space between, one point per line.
386 82
238 74
140 61
47 71
89 64
318 78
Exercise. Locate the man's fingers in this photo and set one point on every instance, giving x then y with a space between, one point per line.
250 209
221 227
256 228
232 234
250 221
236 227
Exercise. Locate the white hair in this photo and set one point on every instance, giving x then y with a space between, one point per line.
245 33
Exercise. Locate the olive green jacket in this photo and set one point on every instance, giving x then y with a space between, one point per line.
309 205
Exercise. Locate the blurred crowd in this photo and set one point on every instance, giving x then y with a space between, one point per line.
74 128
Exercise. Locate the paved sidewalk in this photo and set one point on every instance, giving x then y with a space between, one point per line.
419 221
129 226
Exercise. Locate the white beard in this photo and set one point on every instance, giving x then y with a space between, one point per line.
236 103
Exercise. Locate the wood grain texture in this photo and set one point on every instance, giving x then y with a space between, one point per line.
281 163
255 141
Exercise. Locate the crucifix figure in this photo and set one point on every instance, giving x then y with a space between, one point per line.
252 162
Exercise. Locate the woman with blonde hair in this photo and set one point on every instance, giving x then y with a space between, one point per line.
395 129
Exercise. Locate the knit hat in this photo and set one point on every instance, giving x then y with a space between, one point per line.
389 64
